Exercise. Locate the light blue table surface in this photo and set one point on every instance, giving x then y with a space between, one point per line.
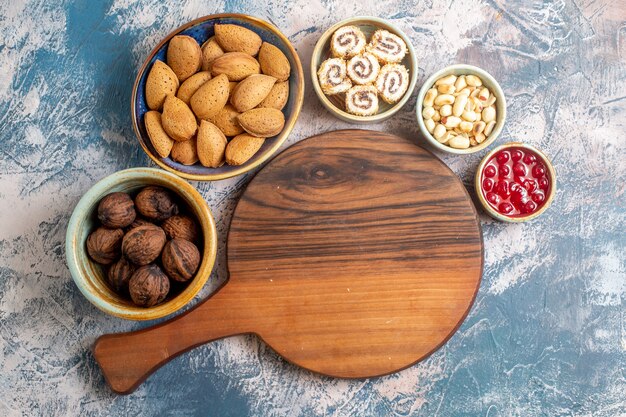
547 335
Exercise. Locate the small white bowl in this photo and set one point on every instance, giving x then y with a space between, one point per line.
488 81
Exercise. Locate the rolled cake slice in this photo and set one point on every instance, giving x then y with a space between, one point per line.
392 82
333 76
363 69
387 47
347 42
362 100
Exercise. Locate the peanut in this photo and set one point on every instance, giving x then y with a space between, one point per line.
446 110
450 79
446 89
429 97
478 127
473 81
459 142
439 131
428 113
466 126
459 105
469 116
489 128
451 121
430 125
460 83
444 99
489 114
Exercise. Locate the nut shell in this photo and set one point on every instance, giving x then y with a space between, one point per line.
262 122
155 203
251 91
211 144
210 97
235 65
116 210
241 148
161 83
180 259
210 50
181 227
148 286
274 62
237 38
277 97
178 120
103 245
119 274
143 244
184 56
185 152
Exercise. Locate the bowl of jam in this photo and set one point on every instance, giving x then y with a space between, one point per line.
515 182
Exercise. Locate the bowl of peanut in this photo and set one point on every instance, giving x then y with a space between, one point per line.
461 109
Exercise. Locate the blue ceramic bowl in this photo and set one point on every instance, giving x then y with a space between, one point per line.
202 29
90 277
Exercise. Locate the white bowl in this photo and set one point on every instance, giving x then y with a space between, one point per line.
488 81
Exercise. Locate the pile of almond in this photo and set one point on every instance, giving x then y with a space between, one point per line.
217 102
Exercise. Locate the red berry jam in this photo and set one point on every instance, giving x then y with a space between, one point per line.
515 182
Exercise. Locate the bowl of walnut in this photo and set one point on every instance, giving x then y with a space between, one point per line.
141 243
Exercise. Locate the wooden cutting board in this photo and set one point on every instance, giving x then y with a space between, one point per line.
353 254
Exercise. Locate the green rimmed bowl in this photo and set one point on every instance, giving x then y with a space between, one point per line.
321 52
90 277
488 81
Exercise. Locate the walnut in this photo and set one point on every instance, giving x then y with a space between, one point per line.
116 210
148 286
180 259
143 244
103 245
181 227
156 203
119 274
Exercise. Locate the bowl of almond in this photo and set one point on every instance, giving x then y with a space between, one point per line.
217 97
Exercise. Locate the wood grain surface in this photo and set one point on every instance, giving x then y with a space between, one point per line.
353 253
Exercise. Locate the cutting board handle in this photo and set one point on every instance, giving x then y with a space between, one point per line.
127 359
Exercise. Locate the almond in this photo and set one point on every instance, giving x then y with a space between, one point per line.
226 120
191 85
233 38
236 66
211 145
185 152
210 50
263 123
251 91
184 56
159 139
274 62
210 98
278 96
242 147
161 82
178 119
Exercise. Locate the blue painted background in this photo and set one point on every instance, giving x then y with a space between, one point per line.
547 335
